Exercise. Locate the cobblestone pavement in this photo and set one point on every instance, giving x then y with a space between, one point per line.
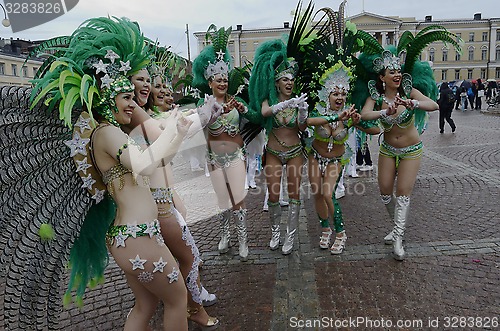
450 279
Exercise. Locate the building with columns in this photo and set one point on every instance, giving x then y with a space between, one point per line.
480 57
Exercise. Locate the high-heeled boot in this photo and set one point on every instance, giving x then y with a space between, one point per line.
240 217
389 202
400 220
275 219
291 227
225 239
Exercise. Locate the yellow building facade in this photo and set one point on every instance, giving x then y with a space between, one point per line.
480 57
12 71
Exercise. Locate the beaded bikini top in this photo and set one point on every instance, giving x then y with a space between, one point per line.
403 120
229 123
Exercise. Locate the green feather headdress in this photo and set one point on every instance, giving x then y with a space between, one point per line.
213 59
74 81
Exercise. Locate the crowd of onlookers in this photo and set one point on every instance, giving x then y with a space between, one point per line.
474 93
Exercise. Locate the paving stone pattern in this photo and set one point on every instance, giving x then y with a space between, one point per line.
452 242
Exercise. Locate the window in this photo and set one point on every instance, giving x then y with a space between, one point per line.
471 53
457 56
469 73
25 71
498 35
231 47
2 68
14 70
243 46
484 53
497 73
35 69
457 74
471 36
497 53
445 55
483 74
443 75
459 36
485 36
432 52
255 45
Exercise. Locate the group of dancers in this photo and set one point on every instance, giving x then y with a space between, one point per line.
118 130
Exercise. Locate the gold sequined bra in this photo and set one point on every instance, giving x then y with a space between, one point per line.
116 171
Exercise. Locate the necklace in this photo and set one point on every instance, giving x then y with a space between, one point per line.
389 103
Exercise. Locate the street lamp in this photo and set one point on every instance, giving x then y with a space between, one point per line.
5 21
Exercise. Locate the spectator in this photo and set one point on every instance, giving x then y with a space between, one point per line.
479 94
445 102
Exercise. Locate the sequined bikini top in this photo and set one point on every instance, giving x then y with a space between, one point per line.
229 123
116 171
403 120
285 122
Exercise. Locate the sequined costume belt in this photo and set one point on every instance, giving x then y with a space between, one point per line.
120 233
323 162
408 152
164 198
225 160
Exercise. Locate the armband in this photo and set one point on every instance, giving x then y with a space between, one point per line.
120 151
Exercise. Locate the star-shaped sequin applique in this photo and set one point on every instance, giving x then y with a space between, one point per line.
82 165
331 57
137 263
159 265
125 66
220 55
132 230
173 276
100 67
88 181
120 239
152 229
77 145
106 81
83 123
98 195
112 56
145 277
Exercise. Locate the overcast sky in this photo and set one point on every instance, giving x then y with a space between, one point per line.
166 20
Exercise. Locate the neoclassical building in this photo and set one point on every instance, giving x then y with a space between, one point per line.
480 56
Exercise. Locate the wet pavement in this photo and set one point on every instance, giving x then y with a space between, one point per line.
449 280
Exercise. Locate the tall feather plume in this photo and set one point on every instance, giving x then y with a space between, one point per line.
341 15
421 40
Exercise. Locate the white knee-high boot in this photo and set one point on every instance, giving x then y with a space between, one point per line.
240 216
291 227
225 239
275 220
390 203
400 220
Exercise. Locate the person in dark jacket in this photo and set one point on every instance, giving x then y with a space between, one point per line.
479 93
446 102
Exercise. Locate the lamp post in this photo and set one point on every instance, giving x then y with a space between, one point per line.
5 21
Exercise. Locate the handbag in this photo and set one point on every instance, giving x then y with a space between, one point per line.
480 93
